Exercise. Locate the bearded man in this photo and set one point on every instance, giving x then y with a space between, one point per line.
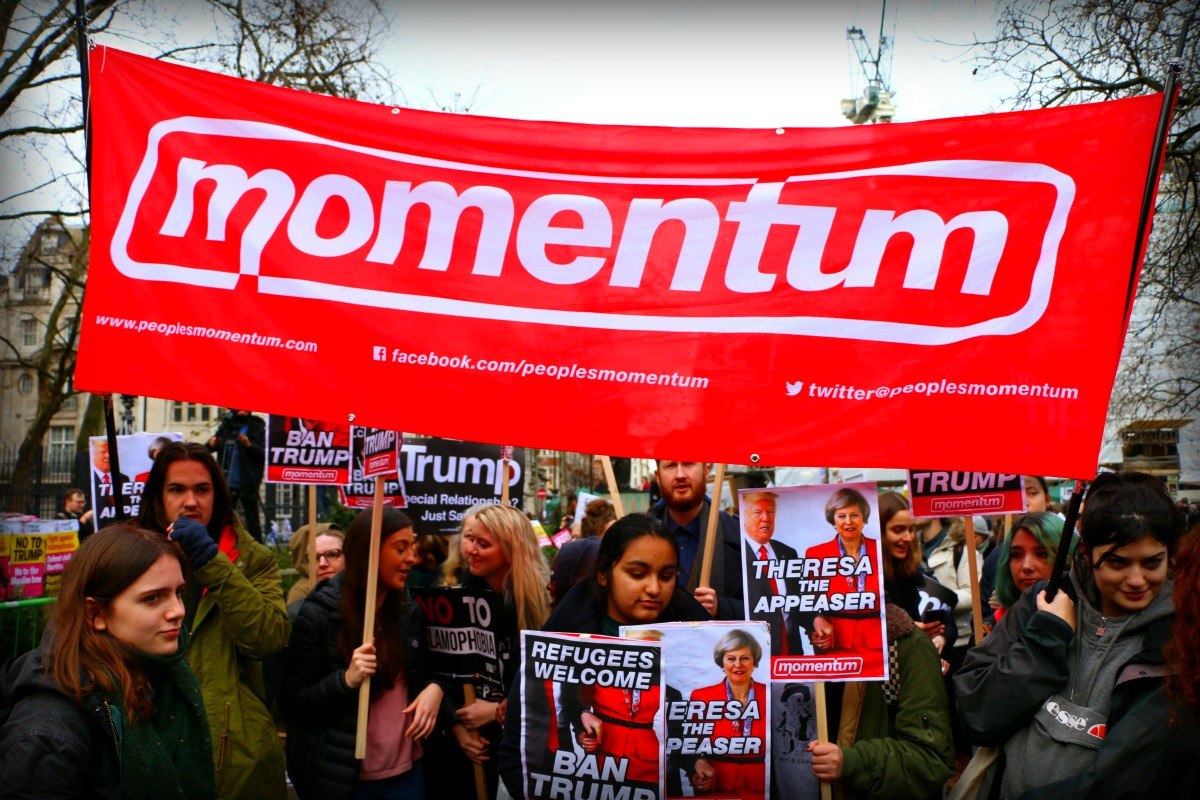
684 509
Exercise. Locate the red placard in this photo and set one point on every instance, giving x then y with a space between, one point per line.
958 494
305 450
380 451
829 289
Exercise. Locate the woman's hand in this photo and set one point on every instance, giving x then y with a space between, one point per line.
424 712
932 629
707 597
477 714
591 729
940 643
1062 606
994 602
704 777
822 635
501 710
827 761
362 664
475 747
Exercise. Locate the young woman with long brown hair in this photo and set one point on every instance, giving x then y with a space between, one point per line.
107 706
327 663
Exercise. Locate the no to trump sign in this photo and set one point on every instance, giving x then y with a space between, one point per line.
825 287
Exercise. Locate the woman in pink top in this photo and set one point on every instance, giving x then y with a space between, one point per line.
327 663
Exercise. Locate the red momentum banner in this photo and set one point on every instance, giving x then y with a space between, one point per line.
809 296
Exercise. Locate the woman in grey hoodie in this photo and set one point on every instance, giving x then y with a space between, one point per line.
1054 679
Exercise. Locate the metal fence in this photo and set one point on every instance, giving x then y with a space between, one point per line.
56 472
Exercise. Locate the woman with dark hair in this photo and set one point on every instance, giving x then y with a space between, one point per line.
1057 679
903 574
328 662
1027 556
107 706
634 584
854 631
236 615
1037 501
735 775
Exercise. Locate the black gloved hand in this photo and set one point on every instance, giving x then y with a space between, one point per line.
193 539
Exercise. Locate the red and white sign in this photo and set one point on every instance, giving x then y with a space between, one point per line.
305 450
825 287
380 451
812 571
959 494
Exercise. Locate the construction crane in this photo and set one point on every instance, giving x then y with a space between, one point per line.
875 102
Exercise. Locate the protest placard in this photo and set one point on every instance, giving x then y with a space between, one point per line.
793 726
360 492
812 556
136 453
718 706
592 717
462 640
445 477
378 448
937 602
957 494
307 451
932 256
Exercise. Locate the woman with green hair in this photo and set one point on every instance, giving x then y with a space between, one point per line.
1027 556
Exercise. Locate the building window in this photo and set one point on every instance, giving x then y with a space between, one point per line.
191 412
70 402
25 384
60 455
49 242
29 332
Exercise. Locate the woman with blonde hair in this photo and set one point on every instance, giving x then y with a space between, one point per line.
503 555
454 568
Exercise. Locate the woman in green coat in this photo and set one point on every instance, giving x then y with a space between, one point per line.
235 611
891 740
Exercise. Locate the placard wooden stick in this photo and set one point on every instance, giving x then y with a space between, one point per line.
364 691
710 536
614 491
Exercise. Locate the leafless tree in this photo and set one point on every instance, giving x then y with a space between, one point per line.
325 46
1076 51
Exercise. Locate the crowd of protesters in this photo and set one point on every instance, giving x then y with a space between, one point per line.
171 642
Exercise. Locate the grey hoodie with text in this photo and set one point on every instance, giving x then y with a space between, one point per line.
1045 692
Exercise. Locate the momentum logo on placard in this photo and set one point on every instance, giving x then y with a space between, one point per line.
217 199
810 667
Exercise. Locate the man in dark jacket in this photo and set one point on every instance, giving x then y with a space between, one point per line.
684 509
240 447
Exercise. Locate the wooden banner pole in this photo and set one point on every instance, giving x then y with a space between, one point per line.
311 544
614 491
364 691
504 483
468 699
710 535
973 567
822 732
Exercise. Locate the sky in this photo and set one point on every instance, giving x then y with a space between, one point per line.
753 63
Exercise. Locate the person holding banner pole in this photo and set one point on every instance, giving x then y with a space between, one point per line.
327 665
235 612
892 740
1027 556
684 510
1057 680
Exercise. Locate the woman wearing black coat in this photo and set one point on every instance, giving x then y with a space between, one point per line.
321 686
